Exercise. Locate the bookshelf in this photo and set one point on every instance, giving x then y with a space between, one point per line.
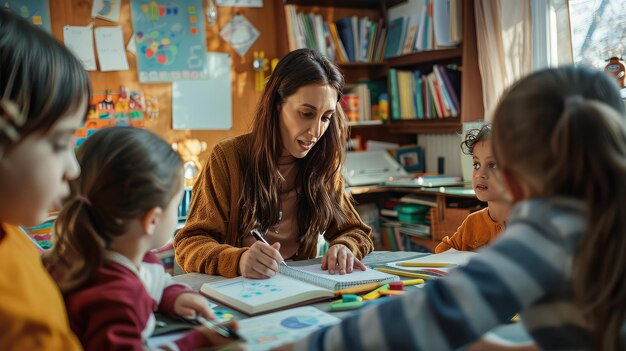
465 56
448 208
447 215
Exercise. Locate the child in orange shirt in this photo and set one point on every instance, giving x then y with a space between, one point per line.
481 227
43 99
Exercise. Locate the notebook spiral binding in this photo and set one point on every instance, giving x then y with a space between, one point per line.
323 282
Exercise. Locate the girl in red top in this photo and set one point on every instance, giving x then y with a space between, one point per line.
126 204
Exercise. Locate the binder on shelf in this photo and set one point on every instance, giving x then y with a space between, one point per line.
370 167
393 88
344 30
395 37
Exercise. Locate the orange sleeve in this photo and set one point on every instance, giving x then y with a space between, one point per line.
354 234
200 245
455 241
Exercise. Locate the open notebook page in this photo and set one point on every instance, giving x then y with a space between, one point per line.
357 274
253 296
452 257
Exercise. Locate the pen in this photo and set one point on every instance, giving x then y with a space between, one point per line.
423 264
223 331
404 273
255 233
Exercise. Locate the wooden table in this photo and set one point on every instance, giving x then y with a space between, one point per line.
511 334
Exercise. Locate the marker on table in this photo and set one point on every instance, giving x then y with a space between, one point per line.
412 282
374 294
221 330
405 273
255 233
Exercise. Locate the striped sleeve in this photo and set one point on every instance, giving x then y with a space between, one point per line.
517 270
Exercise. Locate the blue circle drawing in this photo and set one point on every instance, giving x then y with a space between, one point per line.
298 322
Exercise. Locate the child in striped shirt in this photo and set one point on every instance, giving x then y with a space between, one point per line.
559 137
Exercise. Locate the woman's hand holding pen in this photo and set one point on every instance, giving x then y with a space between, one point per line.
340 259
260 261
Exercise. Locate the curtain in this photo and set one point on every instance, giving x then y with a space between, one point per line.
504 40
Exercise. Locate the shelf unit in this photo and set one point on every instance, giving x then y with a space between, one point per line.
345 3
465 55
445 219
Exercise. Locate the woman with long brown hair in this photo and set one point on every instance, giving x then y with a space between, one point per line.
282 179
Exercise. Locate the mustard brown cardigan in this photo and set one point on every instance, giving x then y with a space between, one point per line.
210 240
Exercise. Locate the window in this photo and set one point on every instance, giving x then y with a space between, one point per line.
598 31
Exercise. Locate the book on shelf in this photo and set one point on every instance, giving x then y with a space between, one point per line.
388 212
456 20
443 14
349 39
395 37
424 181
411 33
393 90
292 286
428 200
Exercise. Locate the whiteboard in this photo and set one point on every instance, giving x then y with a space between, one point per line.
207 103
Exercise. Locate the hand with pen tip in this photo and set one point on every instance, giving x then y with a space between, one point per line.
217 339
339 259
260 261
191 304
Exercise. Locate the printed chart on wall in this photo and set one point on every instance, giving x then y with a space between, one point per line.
36 12
169 39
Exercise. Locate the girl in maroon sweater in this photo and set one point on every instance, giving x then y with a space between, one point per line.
126 204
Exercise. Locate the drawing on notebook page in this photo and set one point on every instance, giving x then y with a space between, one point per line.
255 288
291 287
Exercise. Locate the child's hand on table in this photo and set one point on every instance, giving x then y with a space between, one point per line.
189 305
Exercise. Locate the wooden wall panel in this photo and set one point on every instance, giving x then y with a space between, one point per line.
78 13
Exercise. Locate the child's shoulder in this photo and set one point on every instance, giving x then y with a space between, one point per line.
558 219
478 216
548 209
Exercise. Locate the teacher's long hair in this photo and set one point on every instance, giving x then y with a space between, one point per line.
319 181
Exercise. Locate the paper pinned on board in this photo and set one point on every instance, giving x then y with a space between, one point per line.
110 46
240 3
106 9
80 41
240 34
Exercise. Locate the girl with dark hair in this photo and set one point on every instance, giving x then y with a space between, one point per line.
44 93
283 179
125 204
480 227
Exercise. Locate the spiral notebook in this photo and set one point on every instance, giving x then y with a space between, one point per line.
292 286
